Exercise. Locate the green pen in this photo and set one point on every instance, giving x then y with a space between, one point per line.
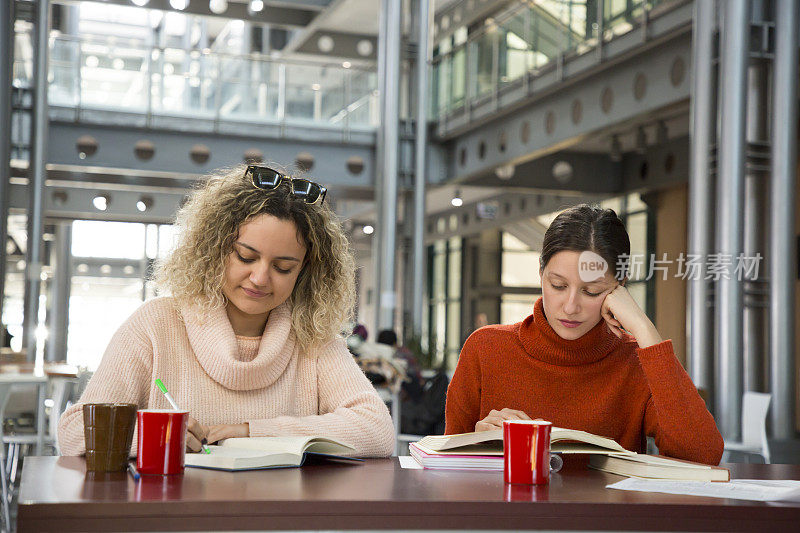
174 405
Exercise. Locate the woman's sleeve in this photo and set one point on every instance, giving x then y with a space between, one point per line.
463 406
122 377
676 416
350 409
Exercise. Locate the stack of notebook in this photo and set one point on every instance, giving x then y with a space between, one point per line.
459 459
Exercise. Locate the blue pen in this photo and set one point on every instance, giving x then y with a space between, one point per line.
133 472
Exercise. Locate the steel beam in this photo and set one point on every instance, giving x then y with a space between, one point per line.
63 200
298 15
549 123
115 150
498 212
345 45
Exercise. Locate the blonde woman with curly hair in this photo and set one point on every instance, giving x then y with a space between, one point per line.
260 284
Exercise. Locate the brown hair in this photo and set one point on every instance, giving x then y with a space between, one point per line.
589 227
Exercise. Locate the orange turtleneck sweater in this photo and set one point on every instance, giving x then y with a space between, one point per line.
597 383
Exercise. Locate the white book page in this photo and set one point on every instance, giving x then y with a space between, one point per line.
269 445
291 445
741 489
406 461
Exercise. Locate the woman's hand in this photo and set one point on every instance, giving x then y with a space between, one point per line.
494 420
623 314
195 434
227 431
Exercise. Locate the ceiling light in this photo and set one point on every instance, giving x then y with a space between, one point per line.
218 6
457 201
325 43
315 87
180 5
368 230
100 202
140 3
256 5
504 172
144 203
346 64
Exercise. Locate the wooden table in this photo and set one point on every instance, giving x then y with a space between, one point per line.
57 495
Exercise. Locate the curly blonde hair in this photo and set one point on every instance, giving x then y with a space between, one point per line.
323 296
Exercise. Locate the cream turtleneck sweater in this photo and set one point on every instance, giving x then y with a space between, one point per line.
222 378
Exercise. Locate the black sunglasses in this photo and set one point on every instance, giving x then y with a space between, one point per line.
267 179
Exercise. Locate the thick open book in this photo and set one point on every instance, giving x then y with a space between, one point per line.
268 452
658 467
491 443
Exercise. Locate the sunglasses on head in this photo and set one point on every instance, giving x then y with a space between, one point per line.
267 179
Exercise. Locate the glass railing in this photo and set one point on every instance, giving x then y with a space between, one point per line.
122 75
524 39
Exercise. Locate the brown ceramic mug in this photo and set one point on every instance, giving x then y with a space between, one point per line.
108 432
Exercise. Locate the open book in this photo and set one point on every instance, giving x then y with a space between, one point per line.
268 452
491 443
658 467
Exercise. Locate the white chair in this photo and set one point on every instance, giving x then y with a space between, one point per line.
754 426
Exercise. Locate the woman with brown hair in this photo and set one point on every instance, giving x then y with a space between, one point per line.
261 285
588 357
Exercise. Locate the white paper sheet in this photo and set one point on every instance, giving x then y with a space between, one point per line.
742 489
406 461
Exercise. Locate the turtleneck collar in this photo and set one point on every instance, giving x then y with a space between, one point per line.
542 342
215 346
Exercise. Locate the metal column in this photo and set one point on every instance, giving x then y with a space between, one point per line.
756 220
730 190
700 194
33 263
60 289
6 60
388 155
420 171
782 242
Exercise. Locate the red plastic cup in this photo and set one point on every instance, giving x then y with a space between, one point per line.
526 451
162 441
